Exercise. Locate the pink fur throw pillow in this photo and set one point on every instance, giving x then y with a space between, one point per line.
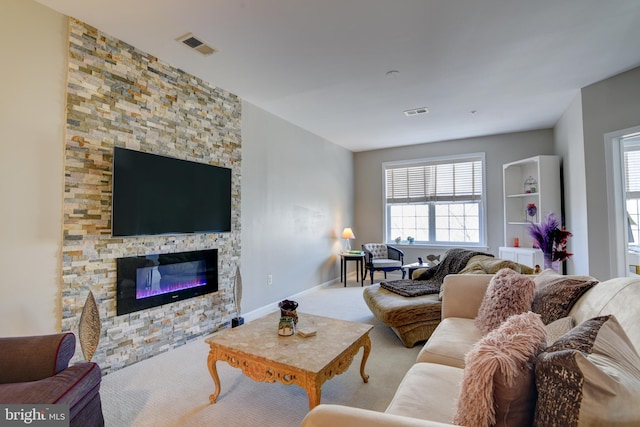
509 293
498 383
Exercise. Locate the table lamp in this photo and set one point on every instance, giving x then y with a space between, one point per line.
347 234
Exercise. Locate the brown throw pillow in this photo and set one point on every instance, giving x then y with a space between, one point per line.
508 293
556 294
498 383
590 376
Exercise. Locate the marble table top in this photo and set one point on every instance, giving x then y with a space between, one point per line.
259 338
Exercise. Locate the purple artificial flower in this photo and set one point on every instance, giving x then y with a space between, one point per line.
550 238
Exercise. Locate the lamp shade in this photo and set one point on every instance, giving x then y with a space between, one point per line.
347 233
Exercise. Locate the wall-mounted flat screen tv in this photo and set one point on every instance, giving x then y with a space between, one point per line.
154 194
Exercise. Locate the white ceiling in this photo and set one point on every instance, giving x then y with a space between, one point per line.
322 64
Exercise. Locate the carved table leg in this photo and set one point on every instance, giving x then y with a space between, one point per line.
211 364
314 391
365 356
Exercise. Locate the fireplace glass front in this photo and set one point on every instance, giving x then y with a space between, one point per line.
152 280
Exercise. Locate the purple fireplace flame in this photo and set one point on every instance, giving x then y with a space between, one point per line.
152 280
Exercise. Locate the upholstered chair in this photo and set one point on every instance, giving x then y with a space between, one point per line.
381 257
36 370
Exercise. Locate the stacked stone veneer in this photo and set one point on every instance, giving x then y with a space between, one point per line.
120 96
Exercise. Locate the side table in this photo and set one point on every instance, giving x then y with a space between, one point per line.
359 259
410 268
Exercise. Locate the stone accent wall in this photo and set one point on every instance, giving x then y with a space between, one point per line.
120 96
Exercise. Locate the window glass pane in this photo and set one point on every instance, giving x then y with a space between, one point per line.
633 210
449 189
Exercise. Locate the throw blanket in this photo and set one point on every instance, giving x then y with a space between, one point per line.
430 281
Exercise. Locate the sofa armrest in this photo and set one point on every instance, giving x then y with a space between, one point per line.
463 293
35 357
337 415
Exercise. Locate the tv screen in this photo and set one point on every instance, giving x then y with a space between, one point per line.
155 194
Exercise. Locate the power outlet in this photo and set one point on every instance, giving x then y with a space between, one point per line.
269 279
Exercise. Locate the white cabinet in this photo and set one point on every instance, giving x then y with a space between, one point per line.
526 256
527 183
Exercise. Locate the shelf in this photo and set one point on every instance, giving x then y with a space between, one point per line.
545 169
523 195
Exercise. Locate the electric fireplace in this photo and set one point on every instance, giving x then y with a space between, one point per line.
151 280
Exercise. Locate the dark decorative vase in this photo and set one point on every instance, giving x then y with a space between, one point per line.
288 309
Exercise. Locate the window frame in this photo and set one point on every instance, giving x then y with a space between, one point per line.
482 211
631 144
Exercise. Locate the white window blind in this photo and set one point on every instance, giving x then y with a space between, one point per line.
449 181
632 172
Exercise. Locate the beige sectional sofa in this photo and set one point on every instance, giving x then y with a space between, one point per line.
427 394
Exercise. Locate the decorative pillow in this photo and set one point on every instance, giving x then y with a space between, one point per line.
558 328
498 383
589 376
493 265
556 294
508 293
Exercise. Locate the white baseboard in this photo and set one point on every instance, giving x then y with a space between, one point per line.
270 308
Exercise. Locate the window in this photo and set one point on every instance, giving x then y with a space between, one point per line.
632 187
438 201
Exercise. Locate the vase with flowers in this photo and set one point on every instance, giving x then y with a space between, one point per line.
551 239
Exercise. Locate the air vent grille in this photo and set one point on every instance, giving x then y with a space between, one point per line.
416 111
196 44
192 42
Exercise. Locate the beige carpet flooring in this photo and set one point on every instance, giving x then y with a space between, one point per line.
172 389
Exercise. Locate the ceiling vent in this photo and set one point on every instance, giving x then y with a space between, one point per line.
416 112
195 43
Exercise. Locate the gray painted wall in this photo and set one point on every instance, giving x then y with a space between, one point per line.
499 149
569 145
297 196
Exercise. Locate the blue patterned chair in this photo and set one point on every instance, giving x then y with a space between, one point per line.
381 257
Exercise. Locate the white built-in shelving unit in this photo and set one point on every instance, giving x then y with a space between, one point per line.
534 180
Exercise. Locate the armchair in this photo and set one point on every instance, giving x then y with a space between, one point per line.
381 257
36 370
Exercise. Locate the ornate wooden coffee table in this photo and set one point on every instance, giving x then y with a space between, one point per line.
264 356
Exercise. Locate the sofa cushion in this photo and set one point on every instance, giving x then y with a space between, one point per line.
590 376
558 328
556 294
612 297
498 385
509 293
450 342
427 392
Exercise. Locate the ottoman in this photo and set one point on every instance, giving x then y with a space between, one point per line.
413 319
